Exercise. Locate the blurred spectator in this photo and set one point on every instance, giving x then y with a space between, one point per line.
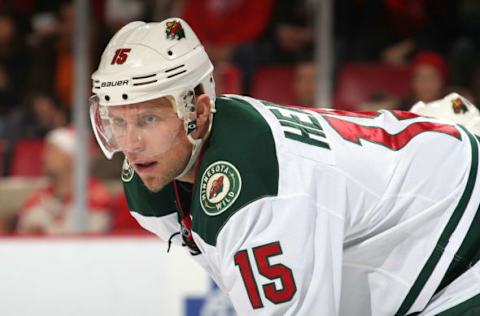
304 82
54 56
292 30
222 26
289 37
14 60
49 210
40 113
430 76
465 54
393 30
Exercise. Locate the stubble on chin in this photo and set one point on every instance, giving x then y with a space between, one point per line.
155 183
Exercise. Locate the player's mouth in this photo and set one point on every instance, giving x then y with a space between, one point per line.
145 166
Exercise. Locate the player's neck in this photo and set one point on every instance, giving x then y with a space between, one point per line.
189 176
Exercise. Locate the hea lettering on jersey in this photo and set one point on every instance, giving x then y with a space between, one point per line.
321 212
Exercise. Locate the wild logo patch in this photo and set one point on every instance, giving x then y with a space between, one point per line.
459 106
174 30
127 171
220 187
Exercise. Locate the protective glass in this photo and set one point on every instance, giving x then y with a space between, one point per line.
147 128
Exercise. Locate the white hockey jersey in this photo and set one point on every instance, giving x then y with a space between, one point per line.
318 212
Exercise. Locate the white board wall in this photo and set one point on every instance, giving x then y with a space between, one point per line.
96 276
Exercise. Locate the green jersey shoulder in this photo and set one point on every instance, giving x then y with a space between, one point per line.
239 166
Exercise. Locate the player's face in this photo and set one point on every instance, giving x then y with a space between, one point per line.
56 162
427 83
153 139
305 84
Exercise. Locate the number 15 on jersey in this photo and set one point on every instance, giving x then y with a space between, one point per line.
279 271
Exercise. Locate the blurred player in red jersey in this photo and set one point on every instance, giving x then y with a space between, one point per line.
49 210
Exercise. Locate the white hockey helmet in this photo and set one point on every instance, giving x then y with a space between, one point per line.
454 108
146 61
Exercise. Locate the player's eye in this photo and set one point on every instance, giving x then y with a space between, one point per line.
119 122
149 119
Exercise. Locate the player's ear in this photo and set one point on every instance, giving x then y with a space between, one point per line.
203 115
203 110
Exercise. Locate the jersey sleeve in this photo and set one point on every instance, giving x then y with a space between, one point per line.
282 256
270 246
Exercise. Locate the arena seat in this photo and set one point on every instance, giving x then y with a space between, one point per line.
357 83
274 84
27 158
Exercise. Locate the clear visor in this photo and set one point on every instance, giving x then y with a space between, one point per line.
146 129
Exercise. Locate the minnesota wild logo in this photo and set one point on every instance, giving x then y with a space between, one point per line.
174 30
127 171
459 106
219 188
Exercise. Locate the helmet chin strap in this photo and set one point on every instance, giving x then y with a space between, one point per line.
197 144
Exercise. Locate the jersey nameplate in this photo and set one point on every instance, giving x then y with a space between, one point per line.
220 187
299 125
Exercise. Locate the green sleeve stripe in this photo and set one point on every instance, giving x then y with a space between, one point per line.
446 234
467 255
470 307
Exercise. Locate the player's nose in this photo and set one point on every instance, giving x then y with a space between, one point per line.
134 141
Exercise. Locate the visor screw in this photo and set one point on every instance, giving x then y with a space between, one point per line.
107 98
124 96
170 53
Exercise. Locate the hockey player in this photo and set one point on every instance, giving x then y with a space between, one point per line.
453 108
291 211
